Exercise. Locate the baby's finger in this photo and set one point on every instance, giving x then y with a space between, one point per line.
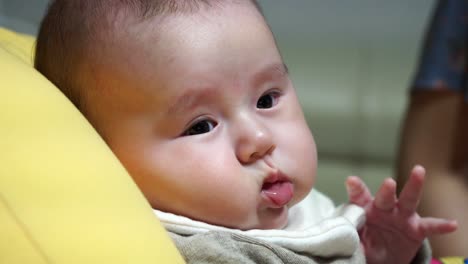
358 192
385 198
436 226
411 193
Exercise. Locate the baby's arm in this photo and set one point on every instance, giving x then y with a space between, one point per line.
394 232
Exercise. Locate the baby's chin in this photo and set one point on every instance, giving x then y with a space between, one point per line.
279 221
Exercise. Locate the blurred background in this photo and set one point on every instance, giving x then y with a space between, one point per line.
351 62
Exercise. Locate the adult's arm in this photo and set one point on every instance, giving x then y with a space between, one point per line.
435 135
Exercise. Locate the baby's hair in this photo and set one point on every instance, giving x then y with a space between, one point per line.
72 32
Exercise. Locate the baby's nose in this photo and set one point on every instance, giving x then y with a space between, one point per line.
254 141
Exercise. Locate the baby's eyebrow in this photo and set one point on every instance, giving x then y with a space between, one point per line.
196 96
273 71
282 68
189 99
278 68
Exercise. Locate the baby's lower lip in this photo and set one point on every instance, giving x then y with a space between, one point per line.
279 193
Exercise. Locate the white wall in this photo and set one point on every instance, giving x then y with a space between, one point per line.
22 15
351 62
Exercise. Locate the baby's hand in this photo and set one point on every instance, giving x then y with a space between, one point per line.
393 232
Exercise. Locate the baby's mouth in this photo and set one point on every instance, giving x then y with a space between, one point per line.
279 192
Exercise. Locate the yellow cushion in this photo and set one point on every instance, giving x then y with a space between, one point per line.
64 197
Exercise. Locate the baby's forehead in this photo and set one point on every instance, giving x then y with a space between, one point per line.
148 48
132 34
154 20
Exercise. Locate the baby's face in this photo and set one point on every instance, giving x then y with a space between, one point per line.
203 115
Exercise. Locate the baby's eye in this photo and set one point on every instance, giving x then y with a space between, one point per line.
201 127
268 100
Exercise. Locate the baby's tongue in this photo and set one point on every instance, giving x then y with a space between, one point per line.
278 192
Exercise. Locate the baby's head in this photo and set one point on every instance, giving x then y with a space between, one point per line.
194 99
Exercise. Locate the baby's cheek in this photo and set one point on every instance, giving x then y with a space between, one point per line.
305 162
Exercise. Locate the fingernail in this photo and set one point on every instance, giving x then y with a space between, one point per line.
419 168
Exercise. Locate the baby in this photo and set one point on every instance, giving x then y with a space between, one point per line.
194 99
